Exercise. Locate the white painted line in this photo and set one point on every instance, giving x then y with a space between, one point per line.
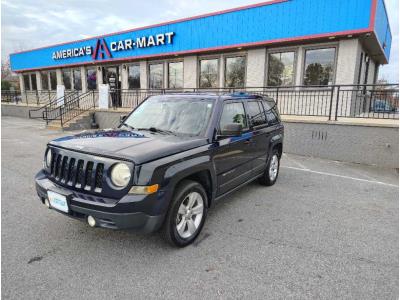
295 162
342 176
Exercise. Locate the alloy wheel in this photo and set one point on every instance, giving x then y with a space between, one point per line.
273 167
190 215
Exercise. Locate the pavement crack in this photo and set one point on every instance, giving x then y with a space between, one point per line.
35 258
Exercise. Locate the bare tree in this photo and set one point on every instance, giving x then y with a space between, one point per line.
5 69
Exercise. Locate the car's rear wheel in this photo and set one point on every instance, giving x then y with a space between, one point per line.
186 215
272 171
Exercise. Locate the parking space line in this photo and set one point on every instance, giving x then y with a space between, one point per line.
294 161
342 176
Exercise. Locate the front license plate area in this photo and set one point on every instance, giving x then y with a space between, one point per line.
58 201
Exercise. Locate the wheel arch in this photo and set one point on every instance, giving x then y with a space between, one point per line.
199 169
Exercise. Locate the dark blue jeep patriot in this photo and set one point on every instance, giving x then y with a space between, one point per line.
169 160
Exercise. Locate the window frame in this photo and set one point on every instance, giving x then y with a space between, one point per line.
29 79
71 78
320 47
41 80
263 111
140 75
295 63
211 57
162 63
273 110
234 55
183 72
230 101
49 77
86 78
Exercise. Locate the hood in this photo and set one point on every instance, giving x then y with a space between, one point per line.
140 147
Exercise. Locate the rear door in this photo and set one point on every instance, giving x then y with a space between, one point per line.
275 128
261 134
233 155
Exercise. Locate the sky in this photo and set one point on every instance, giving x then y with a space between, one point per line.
28 24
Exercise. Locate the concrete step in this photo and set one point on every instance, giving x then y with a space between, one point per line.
80 122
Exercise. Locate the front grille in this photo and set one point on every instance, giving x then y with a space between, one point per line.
78 173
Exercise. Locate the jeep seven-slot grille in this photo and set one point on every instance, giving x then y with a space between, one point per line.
87 175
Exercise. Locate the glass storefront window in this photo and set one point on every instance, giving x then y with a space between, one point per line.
281 69
66 77
77 80
134 77
208 73
27 83
45 80
91 78
156 75
318 66
235 71
175 75
33 82
53 80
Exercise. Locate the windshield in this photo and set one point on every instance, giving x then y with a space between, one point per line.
177 115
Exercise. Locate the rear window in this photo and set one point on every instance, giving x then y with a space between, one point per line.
256 113
271 111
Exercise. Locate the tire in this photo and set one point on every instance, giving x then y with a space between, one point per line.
181 216
273 165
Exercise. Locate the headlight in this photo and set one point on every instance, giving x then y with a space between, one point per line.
47 162
120 175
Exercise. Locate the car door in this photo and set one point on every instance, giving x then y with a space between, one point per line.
273 131
233 155
261 134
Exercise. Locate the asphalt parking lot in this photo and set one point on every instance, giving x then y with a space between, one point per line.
326 230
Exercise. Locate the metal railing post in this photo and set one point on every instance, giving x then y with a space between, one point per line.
337 102
46 113
277 96
330 105
61 117
371 101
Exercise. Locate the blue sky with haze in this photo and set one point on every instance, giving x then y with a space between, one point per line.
29 24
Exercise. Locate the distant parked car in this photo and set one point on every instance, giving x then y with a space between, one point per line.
383 106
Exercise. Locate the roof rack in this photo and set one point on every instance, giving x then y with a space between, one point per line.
243 95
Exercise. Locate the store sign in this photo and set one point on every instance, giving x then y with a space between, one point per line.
104 50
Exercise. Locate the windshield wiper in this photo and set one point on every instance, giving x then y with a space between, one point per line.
154 129
129 126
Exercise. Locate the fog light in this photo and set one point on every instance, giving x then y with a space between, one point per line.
47 203
91 221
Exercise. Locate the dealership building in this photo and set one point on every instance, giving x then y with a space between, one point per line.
275 43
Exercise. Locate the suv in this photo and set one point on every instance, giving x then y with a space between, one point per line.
169 160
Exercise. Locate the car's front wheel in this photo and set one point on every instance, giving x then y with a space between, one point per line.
186 215
272 171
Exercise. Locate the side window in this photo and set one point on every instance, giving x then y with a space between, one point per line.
271 113
233 113
256 113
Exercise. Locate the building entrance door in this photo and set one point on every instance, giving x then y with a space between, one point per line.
112 78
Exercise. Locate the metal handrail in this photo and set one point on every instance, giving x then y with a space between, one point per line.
51 103
77 106
70 109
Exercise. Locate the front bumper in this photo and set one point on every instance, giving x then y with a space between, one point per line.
130 212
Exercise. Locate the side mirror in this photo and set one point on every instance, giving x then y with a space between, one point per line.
232 129
122 118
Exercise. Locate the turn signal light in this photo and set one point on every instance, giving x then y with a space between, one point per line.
144 190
